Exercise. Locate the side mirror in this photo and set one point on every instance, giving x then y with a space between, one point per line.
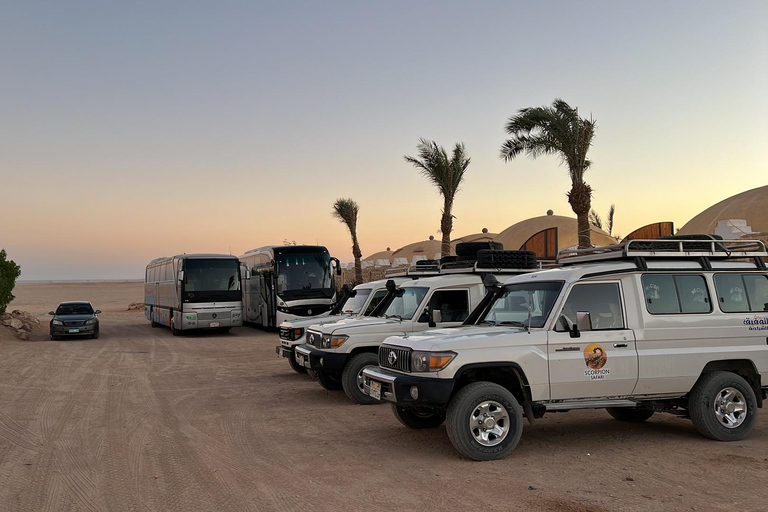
97 312
181 275
52 313
437 316
424 318
338 265
584 321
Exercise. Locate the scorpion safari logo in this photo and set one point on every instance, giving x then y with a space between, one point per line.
595 357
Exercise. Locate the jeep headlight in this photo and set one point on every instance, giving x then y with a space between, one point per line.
90 322
333 341
430 361
295 333
58 322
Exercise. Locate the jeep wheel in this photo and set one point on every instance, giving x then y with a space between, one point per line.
329 380
631 414
722 406
295 366
419 417
352 377
485 421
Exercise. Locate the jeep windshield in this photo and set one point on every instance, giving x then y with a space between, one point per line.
522 302
355 303
405 303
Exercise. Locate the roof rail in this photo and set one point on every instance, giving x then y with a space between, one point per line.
667 248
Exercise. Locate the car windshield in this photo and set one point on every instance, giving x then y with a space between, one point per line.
406 302
521 302
74 309
355 304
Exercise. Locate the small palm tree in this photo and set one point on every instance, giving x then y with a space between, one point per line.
446 174
557 130
346 211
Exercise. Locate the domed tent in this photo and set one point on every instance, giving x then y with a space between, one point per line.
424 250
734 217
381 258
516 235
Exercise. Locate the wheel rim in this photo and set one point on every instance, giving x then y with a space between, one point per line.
730 407
489 423
360 378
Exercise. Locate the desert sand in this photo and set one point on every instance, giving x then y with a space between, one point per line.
142 420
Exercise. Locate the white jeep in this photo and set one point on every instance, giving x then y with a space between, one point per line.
677 326
361 301
338 352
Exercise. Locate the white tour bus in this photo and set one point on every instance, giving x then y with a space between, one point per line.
288 282
194 291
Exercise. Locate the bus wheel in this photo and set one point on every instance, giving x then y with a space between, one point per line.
174 330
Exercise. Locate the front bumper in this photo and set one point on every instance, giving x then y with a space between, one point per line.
80 330
286 352
396 388
315 359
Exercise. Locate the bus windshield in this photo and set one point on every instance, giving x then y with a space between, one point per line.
304 276
521 302
211 280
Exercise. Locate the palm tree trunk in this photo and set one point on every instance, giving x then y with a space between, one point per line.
580 198
446 226
358 254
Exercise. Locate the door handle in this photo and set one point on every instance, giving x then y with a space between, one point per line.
619 345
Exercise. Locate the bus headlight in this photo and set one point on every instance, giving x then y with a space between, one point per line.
333 341
430 361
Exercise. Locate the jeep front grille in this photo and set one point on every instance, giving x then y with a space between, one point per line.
395 358
285 333
315 339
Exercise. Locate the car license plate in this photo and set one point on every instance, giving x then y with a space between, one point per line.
213 324
74 330
300 359
375 390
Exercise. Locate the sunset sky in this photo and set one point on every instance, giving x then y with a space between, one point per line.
132 130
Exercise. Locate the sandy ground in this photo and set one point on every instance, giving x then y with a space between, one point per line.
140 420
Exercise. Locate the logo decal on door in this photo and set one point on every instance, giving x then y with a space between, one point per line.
595 357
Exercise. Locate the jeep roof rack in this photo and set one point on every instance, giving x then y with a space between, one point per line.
669 248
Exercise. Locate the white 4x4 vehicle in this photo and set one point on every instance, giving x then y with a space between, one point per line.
361 301
338 352
643 327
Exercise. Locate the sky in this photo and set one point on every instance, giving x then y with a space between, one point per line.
133 130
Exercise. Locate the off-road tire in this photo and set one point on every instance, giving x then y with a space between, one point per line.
351 377
312 374
701 406
630 414
330 380
470 249
418 418
463 405
294 365
506 259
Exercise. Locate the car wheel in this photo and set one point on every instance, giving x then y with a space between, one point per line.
295 366
419 417
722 406
329 380
95 335
484 421
54 337
352 377
633 415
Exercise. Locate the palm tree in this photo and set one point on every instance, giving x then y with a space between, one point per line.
557 130
445 174
346 211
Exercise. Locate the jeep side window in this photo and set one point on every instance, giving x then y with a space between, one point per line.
601 300
375 301
670 294
742 293
452 304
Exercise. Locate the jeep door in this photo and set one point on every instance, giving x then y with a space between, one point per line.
599 358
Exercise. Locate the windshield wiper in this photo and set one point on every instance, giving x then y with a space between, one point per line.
489 322
514 323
